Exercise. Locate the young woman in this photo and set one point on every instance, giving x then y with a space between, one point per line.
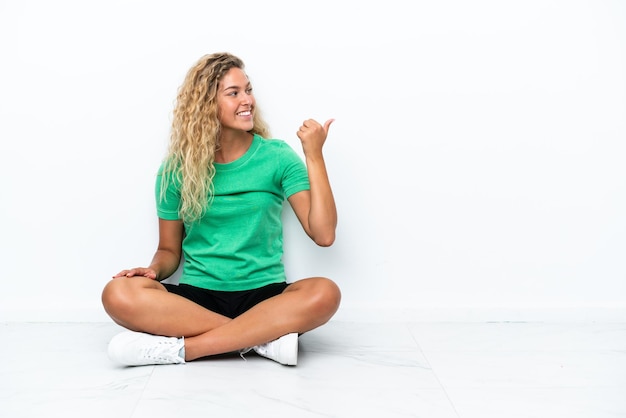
220 192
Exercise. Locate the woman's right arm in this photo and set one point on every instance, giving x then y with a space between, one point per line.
167 256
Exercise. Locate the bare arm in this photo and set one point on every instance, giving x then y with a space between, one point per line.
316 208
167 256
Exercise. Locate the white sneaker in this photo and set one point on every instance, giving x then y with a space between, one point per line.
139 349
283 350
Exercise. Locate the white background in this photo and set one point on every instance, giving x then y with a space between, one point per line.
477 156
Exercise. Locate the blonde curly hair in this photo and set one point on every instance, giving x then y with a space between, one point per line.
195 134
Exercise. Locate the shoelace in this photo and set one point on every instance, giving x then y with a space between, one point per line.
245 351
248 349
162 351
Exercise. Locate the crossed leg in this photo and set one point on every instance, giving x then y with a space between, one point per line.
145 305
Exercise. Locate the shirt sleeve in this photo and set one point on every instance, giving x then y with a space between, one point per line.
295 176
167 203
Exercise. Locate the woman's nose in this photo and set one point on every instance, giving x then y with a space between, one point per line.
247 98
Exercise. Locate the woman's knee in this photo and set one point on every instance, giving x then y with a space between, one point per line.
120 296
333 294
324 295
114 296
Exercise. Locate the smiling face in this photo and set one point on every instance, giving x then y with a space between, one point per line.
235 101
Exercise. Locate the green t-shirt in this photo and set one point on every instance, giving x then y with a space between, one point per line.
238 243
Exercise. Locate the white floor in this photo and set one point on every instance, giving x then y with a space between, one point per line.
345 369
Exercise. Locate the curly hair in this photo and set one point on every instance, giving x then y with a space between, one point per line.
195 134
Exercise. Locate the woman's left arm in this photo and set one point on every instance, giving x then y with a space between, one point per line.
315 208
